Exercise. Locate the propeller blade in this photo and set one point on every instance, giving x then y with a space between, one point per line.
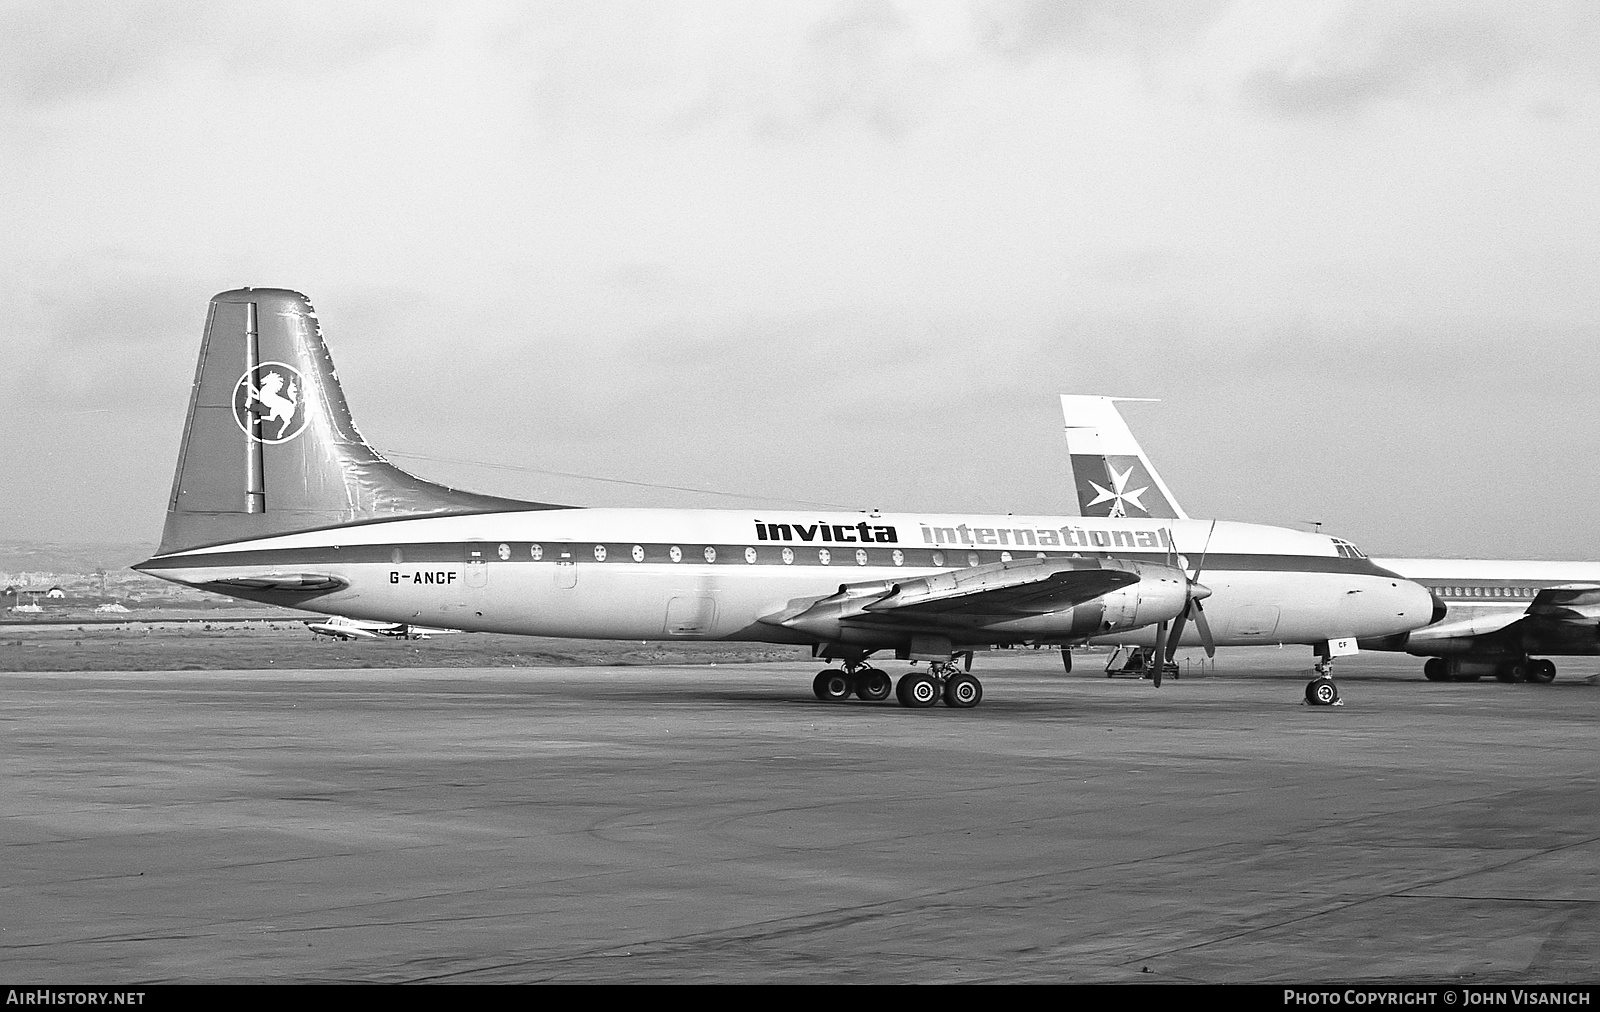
1155 671
1177 633
1194 577
1204 628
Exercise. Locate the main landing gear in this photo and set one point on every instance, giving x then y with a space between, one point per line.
1470 669
917 690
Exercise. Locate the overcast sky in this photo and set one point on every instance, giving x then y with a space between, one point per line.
835 253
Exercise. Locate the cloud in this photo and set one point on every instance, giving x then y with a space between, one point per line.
52 53
1382 52
1025 29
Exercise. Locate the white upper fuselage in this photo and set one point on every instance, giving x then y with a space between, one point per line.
714 574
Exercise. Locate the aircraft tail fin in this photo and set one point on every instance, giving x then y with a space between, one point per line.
1109 467
269 446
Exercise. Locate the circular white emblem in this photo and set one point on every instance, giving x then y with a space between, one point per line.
273 411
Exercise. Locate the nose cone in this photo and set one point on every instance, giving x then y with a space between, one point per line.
1199 591
1415 606
1439 610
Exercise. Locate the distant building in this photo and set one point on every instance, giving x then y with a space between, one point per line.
28 609
55 592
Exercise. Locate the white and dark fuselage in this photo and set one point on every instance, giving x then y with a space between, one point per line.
720 574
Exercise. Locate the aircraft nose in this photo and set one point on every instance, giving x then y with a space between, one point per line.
1418 603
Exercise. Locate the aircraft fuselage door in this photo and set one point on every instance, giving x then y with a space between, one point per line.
566 567
477 564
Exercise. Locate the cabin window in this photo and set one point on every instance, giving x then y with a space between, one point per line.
675 553
638 553
788 556
938 558
750 556
972 558
599 553
824 556
899 557
536 552
710 554
861 556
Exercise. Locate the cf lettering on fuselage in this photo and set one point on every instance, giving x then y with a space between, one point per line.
819 531
446 576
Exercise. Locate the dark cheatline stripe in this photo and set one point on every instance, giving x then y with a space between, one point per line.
839 556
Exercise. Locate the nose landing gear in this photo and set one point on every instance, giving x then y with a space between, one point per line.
1321 691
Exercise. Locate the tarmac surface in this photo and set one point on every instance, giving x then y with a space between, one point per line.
719 824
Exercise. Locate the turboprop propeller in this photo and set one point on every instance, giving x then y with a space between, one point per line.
1195 593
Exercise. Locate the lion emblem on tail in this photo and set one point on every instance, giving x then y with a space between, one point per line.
277 401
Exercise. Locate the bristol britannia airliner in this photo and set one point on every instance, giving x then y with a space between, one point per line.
277 498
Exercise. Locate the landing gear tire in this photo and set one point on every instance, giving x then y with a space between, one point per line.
1436 670
1322 692
1512 673
832 686
873 685
963 692
1541 672
917 690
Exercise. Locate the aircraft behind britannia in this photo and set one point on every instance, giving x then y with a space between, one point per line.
277 498
1493 614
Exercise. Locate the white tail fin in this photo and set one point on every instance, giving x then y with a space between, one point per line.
1113 476
270 447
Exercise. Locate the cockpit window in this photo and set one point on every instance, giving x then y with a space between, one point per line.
1347 550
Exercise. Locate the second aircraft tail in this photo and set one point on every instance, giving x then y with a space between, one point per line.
1114 478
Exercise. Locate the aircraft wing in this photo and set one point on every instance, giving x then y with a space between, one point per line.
964 599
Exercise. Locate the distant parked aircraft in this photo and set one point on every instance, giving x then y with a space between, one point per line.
345 628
